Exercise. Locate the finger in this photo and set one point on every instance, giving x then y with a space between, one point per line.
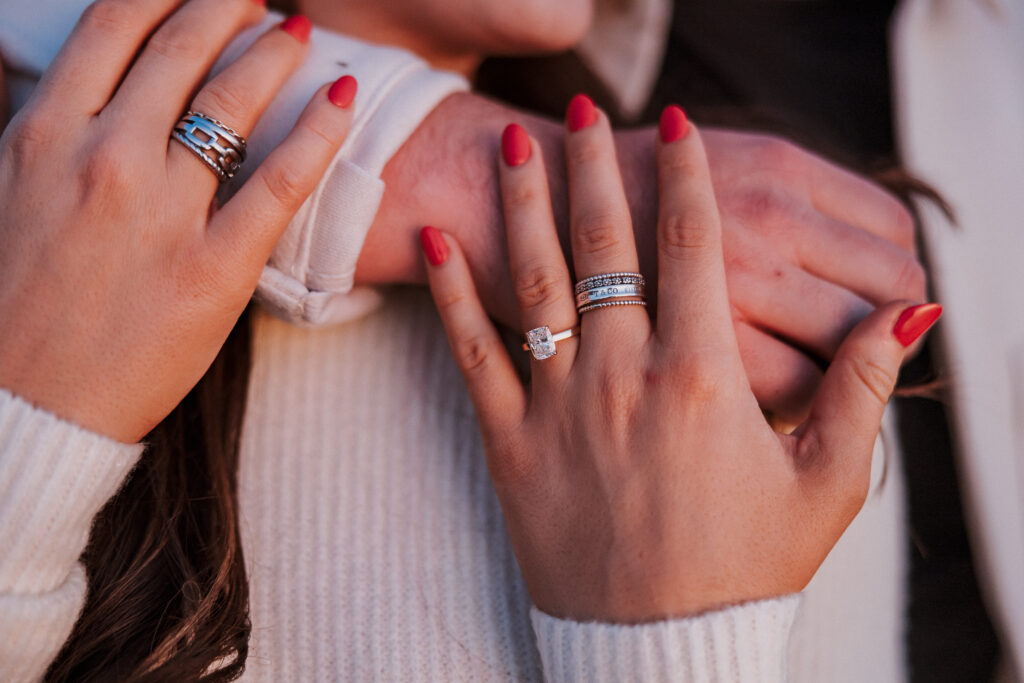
494 387
809 312
159 86
85 73
875 268
836 441
599 221
239 95
539 274
693 304
247 227
783 379
852 199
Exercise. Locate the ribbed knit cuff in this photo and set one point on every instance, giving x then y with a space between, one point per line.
743 643
54 478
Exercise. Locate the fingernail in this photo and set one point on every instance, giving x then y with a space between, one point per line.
298 26
343 91
673 125
915 321
433 245
261 3
515 145
581 113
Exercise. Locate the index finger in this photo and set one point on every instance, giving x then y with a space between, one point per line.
693 303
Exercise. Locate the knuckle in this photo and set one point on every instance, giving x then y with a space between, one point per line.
229 100
473 354
598 232
286 184
519 195
178 43
701 376
876 378
317 128
513 468
911 281
584 152
620 391
538 285
680 235
107 171
32 134
110 16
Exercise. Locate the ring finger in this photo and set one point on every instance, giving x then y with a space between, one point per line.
539 272
600 224
179 54
240 93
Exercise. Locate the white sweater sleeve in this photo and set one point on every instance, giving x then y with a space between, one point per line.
54 478
746 643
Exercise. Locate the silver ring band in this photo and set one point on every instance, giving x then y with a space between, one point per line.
220 147
606 304
609 279
541 343
595 294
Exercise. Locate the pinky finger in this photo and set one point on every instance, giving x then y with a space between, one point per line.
494 387
251 223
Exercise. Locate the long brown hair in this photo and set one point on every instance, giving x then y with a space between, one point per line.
168 598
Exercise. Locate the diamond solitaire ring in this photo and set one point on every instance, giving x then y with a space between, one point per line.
541 343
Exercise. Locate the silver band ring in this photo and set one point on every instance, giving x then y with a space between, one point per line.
220 147
595 294
541 343
606 304
609 279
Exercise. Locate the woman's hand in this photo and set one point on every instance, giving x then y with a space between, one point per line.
638 477
119 284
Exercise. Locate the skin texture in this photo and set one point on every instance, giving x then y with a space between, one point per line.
119 285
456 35
637 475
810 249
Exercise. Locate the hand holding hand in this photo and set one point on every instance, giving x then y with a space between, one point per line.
637 474
119 285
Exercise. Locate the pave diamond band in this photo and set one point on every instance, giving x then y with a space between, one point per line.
541 343
220 147
609 279
610 289
595 294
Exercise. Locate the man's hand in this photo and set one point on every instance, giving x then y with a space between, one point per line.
810 249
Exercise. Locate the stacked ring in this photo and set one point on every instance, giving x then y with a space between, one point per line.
221 148
610 289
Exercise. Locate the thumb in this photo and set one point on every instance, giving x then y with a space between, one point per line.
846 415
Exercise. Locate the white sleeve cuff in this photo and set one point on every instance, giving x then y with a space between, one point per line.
309 278
54 478
743 643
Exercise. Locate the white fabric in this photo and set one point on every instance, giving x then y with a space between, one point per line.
959 75
625 47
376 548
310 274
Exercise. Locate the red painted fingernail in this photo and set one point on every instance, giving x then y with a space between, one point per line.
581 113
298 26
433 245
674 124
515 145
261 3
343 91
915 321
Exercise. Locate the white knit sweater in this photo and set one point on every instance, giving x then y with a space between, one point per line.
376 549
